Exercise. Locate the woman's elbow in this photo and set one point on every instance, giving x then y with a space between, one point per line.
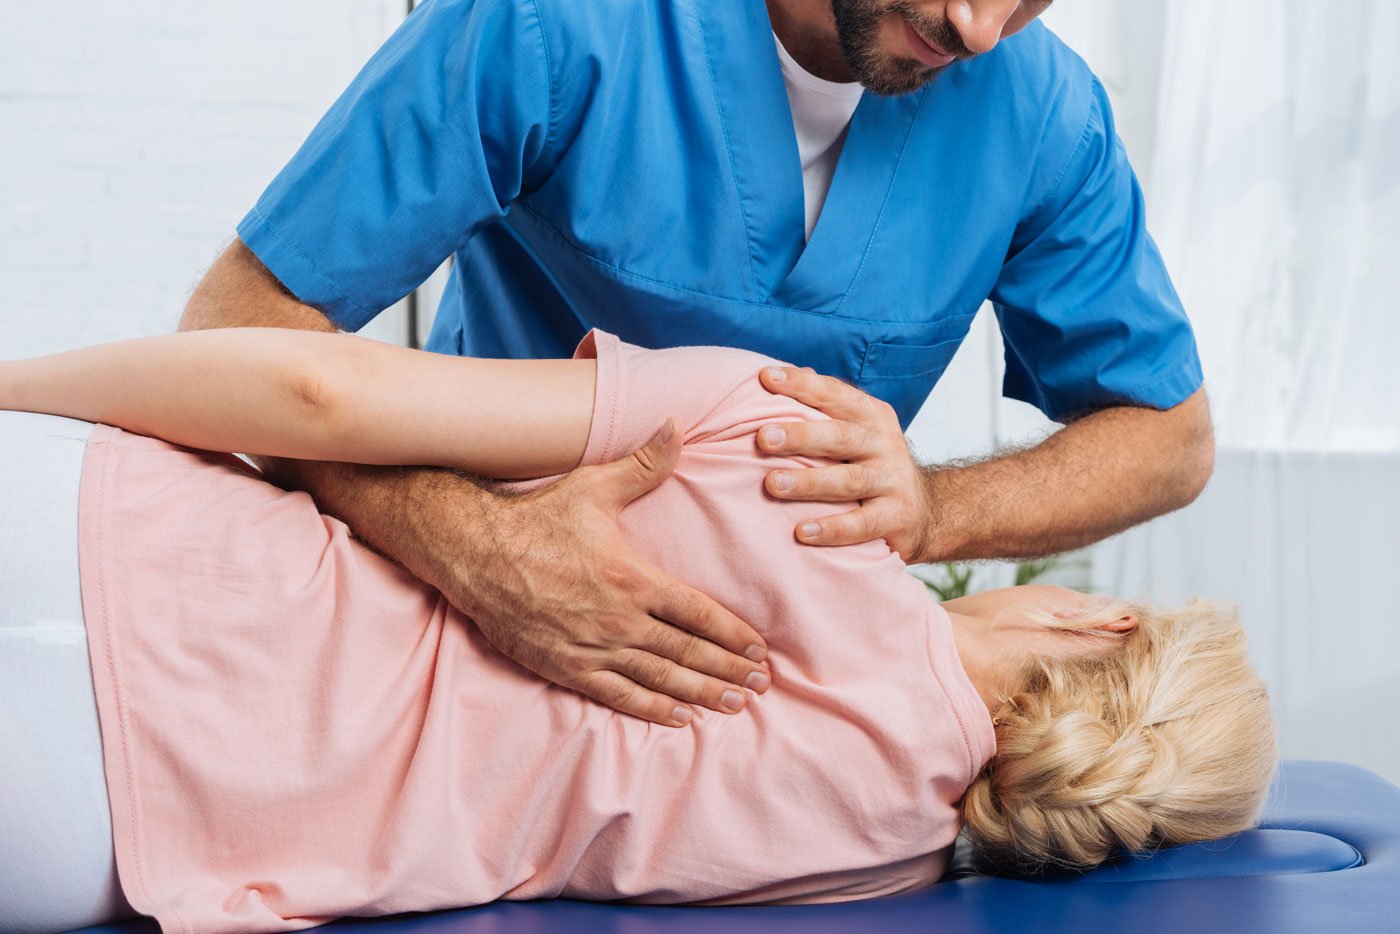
314 400
308 391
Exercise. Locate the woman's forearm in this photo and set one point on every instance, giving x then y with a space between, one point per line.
318 396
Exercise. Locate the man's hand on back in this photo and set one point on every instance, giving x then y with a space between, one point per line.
552 585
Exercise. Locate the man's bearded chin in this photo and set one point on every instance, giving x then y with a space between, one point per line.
858 30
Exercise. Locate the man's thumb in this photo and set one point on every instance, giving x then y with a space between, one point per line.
645 468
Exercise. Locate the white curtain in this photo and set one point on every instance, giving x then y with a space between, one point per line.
1273 191
1275 197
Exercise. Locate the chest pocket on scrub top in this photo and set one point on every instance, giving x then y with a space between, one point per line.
903 374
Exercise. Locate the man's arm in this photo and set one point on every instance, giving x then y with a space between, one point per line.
1098 475
545 576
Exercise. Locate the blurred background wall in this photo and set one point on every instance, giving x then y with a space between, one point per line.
137 134
1264 132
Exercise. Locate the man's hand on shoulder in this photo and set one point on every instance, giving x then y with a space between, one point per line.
879 470
1097 476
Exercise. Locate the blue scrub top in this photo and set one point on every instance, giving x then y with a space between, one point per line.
633 166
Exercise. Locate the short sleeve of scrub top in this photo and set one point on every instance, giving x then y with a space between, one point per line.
1089 316
444 127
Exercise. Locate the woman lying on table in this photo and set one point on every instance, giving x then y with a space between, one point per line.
288 728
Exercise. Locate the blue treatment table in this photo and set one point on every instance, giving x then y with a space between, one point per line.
1326 858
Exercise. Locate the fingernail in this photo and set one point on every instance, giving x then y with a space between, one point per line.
757 682
665 433
810 529
732 699
776 374
681 713
774 435
784 482
755 653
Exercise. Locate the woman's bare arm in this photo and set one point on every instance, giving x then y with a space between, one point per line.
320 396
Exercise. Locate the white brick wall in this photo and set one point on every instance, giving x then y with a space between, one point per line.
135 136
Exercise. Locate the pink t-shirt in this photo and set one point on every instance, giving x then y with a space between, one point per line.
294 729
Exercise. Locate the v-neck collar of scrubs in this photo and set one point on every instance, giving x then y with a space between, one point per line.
758 131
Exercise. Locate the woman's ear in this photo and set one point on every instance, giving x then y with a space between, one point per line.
1125 623
1081 605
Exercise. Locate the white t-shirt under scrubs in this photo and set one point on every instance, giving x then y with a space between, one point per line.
821 112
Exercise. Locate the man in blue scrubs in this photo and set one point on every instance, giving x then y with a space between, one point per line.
634 166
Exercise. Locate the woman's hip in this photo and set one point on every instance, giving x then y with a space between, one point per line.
56 866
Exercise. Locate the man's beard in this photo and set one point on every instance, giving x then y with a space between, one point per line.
858 30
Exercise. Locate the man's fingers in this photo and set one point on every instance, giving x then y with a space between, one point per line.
666 677
835 397
690 610
627 696
847 528
844 483
704 659
833 438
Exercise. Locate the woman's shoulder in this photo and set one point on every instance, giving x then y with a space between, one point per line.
712 391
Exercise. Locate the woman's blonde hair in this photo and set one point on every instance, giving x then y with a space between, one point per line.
1163 737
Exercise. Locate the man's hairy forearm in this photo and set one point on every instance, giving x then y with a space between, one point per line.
386 507
1095 477
239 292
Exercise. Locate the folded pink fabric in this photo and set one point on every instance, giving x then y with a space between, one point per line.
294 729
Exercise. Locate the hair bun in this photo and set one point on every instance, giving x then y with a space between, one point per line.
1165 738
